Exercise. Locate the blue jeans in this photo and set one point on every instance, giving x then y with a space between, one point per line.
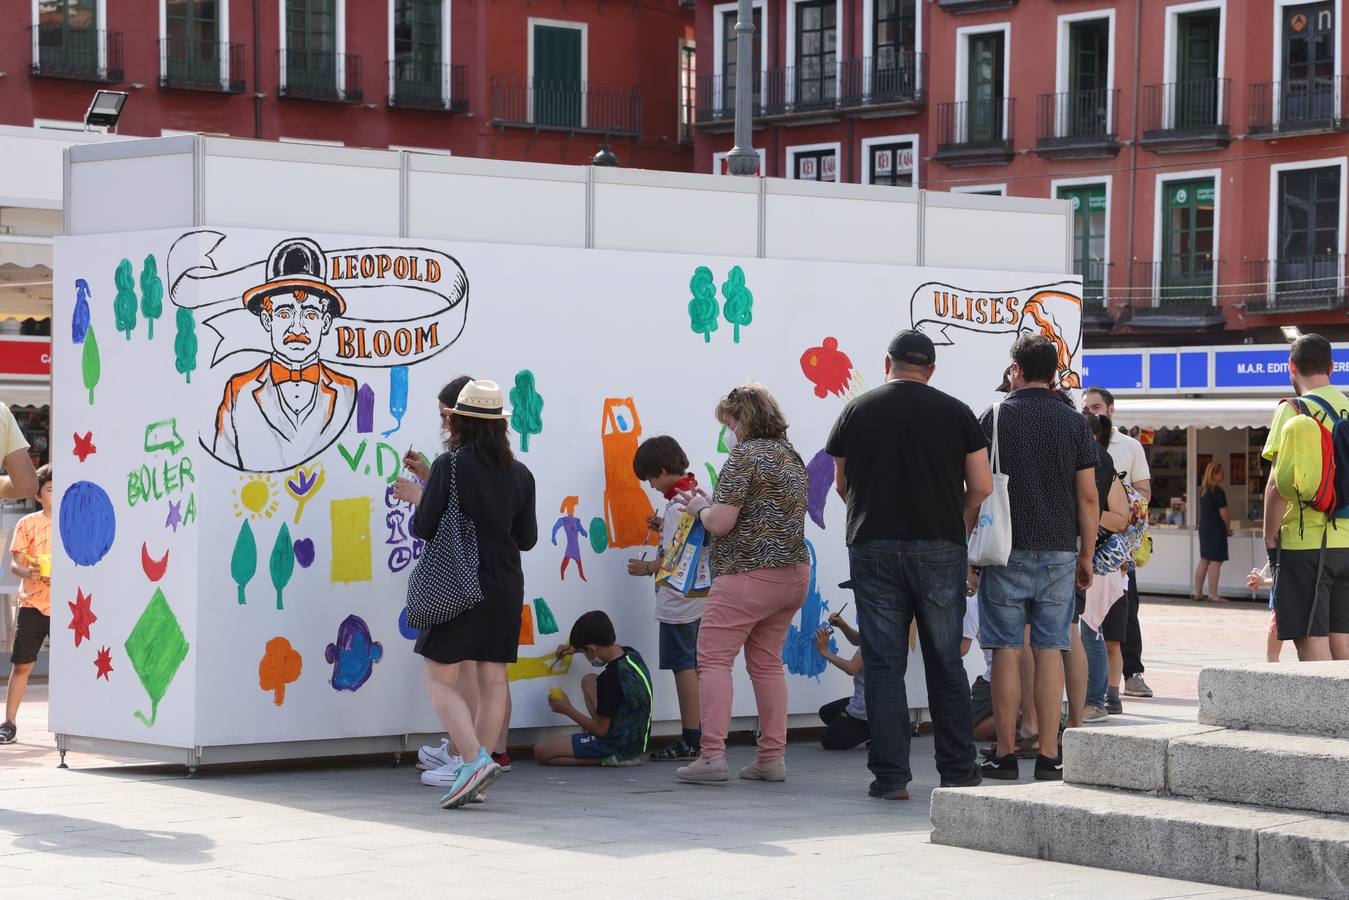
896 582
1035 588
1098 675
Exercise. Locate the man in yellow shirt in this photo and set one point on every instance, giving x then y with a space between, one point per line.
1311 585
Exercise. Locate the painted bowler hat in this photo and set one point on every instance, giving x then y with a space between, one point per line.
296 264
481 400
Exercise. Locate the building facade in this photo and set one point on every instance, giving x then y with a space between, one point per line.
536 80
1203 143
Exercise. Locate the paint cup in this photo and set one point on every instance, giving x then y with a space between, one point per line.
44 565
557 693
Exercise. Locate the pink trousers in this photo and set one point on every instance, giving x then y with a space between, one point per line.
751 610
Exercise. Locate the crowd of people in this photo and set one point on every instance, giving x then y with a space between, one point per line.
1055 614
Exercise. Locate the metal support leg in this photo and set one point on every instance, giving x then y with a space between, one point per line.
61 748
398 754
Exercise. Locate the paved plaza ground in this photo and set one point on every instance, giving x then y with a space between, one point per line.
109 828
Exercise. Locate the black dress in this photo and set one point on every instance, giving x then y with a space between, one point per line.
501 504
1212 530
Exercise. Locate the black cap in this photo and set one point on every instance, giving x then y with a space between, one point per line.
1006 386
913 348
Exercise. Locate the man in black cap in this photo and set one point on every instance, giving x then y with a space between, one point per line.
291 407
912 464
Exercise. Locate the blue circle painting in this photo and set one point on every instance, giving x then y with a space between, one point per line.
404 628
88 522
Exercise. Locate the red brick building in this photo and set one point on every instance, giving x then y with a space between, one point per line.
538 80
1204 143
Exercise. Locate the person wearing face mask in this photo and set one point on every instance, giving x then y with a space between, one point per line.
617 722
760 572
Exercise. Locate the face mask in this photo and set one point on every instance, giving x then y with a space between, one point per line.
598 663
729 439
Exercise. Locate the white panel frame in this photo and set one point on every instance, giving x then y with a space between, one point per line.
1085 181
1062 63
1274 171
1163 178
1173 13
963 36
868 143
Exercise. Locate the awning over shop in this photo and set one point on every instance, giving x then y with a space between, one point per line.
25 393
1197 412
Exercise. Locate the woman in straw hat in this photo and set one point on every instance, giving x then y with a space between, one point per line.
496 492
761 571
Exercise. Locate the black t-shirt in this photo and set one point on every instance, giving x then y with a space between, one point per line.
623 696
905 445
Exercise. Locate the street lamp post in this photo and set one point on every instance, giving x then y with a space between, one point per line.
742 160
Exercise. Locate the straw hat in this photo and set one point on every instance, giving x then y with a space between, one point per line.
481 400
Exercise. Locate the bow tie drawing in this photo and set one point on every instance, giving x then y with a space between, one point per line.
283 375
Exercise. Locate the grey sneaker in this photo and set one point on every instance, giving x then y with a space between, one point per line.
8 733
774 769
1113 705
1135 686
705 771
676 752
616 761
1095 714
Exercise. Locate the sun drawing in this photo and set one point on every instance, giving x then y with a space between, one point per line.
256 497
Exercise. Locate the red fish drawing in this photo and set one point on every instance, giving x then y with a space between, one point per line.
828 368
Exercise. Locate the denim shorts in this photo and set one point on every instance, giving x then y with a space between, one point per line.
590 746
679 646
1034 588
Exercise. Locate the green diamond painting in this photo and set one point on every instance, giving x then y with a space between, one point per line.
156 648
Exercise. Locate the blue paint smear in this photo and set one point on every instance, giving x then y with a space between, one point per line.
798 650
819 479
622 423
79 319
88 523
404 628
398 396
353 655
365 409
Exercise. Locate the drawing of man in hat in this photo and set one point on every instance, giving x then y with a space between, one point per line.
292 406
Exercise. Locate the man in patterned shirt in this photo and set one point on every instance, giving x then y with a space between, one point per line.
1047 451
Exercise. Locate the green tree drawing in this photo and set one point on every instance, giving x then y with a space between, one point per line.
739 300
90 363
244 561
703 307
281 564
124 304
526 408
152 292
185 344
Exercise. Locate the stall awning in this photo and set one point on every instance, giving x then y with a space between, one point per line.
1199 412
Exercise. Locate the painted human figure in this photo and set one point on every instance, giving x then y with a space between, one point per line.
291 407
574 531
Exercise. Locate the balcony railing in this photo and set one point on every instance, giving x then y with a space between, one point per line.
1078 123
975 131
1093 273
1296 284
1183 279
789 91
1187 115
1316 104
433 86
579 106
320 75
192 65
79 54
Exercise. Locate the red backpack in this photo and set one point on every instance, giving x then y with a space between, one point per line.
1304 469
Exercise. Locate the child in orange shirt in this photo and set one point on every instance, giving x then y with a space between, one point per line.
32 552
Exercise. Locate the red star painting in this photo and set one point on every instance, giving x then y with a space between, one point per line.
103 663
84 446
81 615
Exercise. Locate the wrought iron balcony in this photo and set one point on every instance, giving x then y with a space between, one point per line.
556 106
1078 124
975 132
1295 284
77 54
191 65
430 86
879 82
790 91
1175 292
319 75
716 99
1305 106
1187 115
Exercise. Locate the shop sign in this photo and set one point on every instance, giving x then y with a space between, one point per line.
1265 368
26 357
1114 371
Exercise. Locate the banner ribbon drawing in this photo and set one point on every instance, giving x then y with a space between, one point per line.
428 288
1052 310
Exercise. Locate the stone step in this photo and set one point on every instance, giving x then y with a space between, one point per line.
1205 762
1305 698
1172 837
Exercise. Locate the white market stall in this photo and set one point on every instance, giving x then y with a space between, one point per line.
234 576
1192 406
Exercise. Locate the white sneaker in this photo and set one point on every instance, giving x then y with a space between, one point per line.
433 757
443 776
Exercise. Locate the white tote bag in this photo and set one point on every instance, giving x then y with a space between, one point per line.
991 542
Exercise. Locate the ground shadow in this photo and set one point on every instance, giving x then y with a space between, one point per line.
91 839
